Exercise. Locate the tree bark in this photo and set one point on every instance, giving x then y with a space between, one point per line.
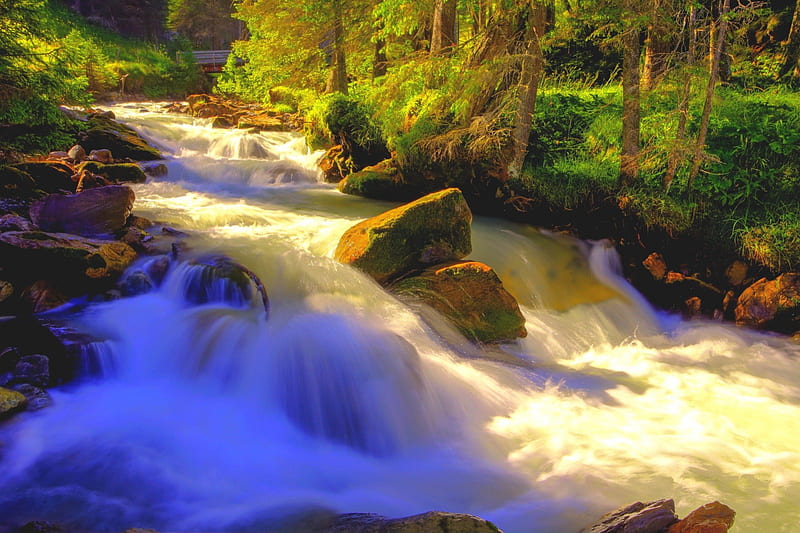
713 75
629 158
656 48
791 45
530 75
337 82
379 60
443 35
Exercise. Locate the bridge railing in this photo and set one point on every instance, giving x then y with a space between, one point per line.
211 57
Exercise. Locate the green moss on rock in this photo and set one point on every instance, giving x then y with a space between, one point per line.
49 176
11 402
116 172
471 296
123 141
383 181
431 230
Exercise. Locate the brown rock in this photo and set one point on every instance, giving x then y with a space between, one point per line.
103 155
93 212
736 273
652 517
714 517
77 153
431 522
49 176
6 290
655 264
58 155
42 296
471 296
771 304
428 231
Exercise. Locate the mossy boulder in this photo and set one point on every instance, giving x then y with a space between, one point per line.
116 172
124 142
428 231
383 181
11 402
78 262
49 176
15 183
471 296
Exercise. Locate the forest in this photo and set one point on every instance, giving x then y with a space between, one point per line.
684 114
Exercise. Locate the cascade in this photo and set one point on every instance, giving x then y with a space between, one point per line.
197 414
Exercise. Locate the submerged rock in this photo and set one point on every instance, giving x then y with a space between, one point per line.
773 304
218 278
714 517
471 296
430 522
651 517
94 212
431 230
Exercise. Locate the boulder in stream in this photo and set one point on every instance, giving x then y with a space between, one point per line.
651 517
383 181
49 176
105 133
471 296
428 231
93 212
11 402
116 172
773 304
714 517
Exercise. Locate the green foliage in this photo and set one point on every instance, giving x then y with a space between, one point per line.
776 241
344 119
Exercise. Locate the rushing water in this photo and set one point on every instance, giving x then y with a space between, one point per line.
209 417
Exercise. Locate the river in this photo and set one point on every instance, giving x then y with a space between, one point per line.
210 417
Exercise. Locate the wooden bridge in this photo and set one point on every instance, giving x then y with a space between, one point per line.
211 60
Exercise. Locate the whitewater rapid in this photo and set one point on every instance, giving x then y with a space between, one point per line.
208 417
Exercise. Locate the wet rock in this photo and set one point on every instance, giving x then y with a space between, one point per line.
6 290
655 264
77 261
43 295
115 172
58 155
49 176
220 279
77 153
103 155
772 304
431 230
37 398
89 180
135 283
33 370
736 273
431 522
14 223
265 121
335 164
221 123
383 181
11 402
471 296
652 517
105 133
156 171
142 223
714 517
90 213
16 183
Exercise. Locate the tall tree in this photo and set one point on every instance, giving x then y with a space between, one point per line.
791 45
631 102
443 33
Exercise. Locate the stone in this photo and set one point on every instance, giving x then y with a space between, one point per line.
15 183
335 165
471 296
43 295
116 172
68 258
36 397
221 122
33 370
11 402
12 222
431 230
105 133
736 273
651 517
135 283
655 264
772 304
49 176
89 180
383 181
714 517
77 153
58 155
430 522
90 213
157 170
6 290
103 155
262 122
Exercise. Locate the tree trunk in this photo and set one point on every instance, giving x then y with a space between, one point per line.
629 158
443 36
676 153
337 82
656 49
379 60
702 132
791 45
530 75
